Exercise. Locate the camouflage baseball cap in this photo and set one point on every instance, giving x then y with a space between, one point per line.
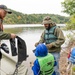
47 20
5 8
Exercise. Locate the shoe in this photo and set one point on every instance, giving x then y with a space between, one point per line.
5 48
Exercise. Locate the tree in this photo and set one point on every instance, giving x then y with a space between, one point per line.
69 6
71 23
20 18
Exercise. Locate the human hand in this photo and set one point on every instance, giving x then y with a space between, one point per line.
13 36
49 46
36 44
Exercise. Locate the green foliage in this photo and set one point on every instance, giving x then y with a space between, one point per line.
73 68
69 6
20 18
70 25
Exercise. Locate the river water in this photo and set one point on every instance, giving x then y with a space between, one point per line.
31 34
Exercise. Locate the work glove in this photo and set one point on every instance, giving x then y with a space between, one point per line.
36 44
49 46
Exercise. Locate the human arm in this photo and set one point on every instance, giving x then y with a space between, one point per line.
4 35
36 67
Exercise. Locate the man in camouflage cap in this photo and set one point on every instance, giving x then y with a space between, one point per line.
3 11
53 38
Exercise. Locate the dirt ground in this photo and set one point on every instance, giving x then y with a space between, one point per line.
63 63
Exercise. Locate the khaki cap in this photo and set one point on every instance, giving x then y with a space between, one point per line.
47 20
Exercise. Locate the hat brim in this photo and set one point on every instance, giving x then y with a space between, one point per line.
8 11
47 22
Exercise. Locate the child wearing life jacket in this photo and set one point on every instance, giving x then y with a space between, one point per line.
44 63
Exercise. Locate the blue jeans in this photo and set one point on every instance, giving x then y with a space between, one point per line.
57 57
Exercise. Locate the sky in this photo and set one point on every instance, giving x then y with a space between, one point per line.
35 6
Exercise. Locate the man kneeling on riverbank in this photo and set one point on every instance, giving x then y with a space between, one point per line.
45 62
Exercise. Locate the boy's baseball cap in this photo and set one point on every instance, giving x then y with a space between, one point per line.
5 8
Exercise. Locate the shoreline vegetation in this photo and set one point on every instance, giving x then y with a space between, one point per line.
20 18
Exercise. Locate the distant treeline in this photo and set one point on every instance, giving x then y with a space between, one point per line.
20 18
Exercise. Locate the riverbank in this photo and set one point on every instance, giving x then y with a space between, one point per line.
63 63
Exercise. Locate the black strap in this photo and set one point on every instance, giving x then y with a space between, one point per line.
47 72
0 55
13 47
